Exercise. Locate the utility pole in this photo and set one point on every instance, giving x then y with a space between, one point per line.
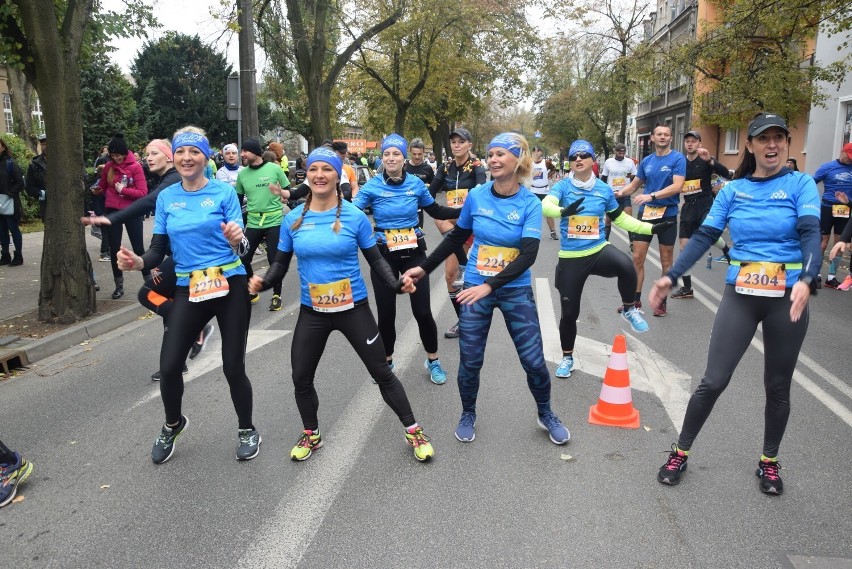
248 74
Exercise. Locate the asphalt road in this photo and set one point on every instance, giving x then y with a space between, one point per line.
88 416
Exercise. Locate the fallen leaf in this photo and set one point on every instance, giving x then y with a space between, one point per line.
104 486
73 442
86 343
18 498
564 456
647 428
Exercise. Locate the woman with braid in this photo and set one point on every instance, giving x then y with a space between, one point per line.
325 233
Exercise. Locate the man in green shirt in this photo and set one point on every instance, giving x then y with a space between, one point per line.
264 209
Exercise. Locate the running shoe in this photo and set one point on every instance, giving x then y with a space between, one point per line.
157 376
436 372
197 346
676 464
104 258
637 304
12 476
559 435
819 281
96 232
275 303
464 430
723 258
164 446
423 450
846 284
832 283
249 444
636 320
660 310
565 367
769 472
453 332
308 443
682 292
254 298
554 236
459 277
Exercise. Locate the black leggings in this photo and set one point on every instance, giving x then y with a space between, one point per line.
736 322
420 301
359 327
158 292
571 275
270 236
186 321
134 233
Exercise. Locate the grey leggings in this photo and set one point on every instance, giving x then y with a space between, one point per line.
736 322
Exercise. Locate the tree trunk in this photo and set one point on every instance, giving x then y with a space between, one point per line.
248 74
320 115
21 94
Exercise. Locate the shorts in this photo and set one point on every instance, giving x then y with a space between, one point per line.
539 196
626 202
667 237
827 221
692 215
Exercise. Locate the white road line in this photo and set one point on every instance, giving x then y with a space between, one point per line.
843 412
286 536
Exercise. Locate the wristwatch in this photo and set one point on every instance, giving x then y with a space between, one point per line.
653 195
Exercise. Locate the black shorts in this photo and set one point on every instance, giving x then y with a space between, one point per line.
626 202
540 196
667 237
692 215
827 221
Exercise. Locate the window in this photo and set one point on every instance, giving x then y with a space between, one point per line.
847 124
732 141
7 111
38 118
679 130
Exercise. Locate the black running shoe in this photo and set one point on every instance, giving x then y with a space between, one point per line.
769 472
157 376
819 281
682 292
197 346
249 444
164 446
670 471
832 283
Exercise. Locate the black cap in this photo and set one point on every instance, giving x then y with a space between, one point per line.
463 133
252 145
693 134
765 121
619 146
117 144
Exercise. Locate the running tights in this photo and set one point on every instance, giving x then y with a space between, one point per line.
158 292
268 235
736 322
134 233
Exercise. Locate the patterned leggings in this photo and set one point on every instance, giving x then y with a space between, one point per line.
518 307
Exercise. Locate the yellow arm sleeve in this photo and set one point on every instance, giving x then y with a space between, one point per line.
630 223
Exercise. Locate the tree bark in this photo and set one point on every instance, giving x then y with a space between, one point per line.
21 95
250 127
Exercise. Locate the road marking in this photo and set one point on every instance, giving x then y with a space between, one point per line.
287 534
842 412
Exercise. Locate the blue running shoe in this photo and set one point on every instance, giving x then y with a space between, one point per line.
565 367
11 476
637 322
465 432
436 372
559 435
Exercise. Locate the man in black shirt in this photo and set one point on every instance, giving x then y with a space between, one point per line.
416 165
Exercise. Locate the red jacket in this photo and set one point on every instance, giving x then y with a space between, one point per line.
114 172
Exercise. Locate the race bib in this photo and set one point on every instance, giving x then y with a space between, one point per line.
399 239
618 183
691 187
653 212
840 210
331 297
584 227
455 198
762 279
208 283
491 260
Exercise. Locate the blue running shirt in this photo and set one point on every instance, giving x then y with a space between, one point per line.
835 177
323 255
582 235
761 216
499 222
192 221
394 207
657 173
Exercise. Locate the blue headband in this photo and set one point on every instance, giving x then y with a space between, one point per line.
395 141
507 140
327 155
581 146
191 139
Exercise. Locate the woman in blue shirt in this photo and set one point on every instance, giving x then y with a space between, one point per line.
325 233
773 216
504 217
200 221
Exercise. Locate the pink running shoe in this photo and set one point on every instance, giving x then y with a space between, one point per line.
846 284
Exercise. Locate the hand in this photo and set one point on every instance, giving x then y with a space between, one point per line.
642 199
572 209
471 295
276 189
660 291
415 274
96 190
658 228
232 232
128 260
839 248
95 220
118 187
406 285
799 299
704 154
255 284
842 197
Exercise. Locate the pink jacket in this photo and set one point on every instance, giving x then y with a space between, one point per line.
133 170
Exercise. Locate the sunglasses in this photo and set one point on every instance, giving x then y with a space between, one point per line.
579 156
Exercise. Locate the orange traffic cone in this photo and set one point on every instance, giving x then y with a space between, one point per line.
615 405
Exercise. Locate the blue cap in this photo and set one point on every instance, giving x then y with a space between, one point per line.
394 140
581 146
327 155
508 140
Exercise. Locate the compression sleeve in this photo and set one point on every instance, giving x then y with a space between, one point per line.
720 169
438 211
137 209
550 207
452 241
809 238
698 244
383 269
524 260
278 269
630 223
299 192
160 244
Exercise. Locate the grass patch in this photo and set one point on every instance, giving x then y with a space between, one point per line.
33 226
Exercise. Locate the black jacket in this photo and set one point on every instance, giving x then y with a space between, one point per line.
11 185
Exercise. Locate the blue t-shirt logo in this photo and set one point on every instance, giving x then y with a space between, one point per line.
513 215
208 203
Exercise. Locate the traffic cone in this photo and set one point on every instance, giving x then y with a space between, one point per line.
615 405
